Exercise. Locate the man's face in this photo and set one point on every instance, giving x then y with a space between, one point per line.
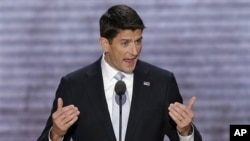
123 53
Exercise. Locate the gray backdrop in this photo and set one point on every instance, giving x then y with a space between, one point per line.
205 43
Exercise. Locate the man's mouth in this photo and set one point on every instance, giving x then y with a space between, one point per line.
130 61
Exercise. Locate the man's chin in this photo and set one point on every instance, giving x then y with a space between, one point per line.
129 70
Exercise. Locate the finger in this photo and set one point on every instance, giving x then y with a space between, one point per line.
63 121
176 111
181 112
179 108
59 103
191 103
70 120
174 117
64 111
184 110
180 120
70 123
69 115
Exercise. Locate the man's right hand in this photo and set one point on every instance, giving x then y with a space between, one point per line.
63 118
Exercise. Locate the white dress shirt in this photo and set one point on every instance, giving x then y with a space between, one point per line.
109 83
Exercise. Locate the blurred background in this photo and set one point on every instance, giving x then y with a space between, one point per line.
204 42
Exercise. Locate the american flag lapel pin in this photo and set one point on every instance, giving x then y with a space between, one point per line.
146 83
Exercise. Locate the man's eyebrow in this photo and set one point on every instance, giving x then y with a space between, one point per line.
131 39
139 38
125 39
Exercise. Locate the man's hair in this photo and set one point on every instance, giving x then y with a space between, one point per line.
119 17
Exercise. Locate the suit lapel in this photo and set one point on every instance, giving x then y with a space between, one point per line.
141 90
97 99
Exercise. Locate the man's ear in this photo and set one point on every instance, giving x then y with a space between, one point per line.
104 44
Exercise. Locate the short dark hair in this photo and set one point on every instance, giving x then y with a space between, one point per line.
119 17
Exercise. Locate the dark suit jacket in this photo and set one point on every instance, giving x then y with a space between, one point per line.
148 120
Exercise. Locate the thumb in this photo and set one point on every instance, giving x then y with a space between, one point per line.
191 102
59 103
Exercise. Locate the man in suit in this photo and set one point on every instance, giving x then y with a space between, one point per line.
83 105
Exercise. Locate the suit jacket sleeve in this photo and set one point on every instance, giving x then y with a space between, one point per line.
63 92
174 96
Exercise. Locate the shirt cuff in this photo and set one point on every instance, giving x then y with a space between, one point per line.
187 138
49 135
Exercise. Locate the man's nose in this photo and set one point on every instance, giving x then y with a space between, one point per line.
134 49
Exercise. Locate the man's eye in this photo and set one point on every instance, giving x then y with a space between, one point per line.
124 43
138 42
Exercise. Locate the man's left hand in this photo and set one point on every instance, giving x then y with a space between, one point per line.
182 116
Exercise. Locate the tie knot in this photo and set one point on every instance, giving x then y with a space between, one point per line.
119 76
